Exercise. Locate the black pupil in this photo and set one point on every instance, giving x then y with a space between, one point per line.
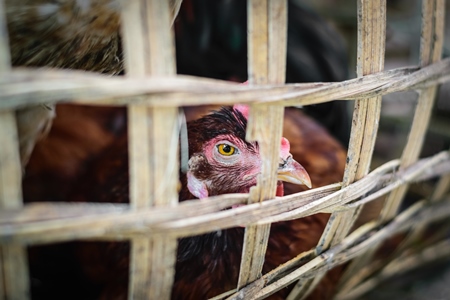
226 148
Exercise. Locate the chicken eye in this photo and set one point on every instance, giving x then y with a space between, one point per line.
226 149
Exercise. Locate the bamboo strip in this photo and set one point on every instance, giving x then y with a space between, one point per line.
400 266
48 211
10 169
421 169
353 245
190 218
431 49
36 212
149 51
371 48
136 60
14 277
413 237
164 233
273 275
267 42
27 86
14 257
441 189
89 226
164 140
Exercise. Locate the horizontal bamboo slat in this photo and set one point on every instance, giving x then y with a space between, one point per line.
154 220
353 245
27 86
400 265
197 216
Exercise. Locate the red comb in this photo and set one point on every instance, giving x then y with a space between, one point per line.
242 108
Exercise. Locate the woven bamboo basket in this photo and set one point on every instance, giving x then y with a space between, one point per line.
154 220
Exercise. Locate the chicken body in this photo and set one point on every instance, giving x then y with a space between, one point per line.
75 34
207 265
84 158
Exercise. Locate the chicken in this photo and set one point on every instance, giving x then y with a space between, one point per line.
84 156
207 265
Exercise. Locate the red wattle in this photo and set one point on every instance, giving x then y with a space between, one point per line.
280 189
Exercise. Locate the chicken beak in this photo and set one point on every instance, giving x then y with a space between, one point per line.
291 171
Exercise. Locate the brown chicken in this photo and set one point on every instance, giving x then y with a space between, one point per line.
207 265
84 158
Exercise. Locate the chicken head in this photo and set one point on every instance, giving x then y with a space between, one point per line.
223 162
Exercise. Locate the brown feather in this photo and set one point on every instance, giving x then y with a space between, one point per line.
75 34
106 180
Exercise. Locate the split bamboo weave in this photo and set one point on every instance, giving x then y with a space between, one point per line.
154 219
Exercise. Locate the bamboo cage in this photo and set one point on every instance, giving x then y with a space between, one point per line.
154 220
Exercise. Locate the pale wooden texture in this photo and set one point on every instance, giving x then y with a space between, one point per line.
400 265
136 58
267 32
413 238
149 50
14 282
431 49
197 217
33 123
14 256
353 245
23 87
366 115
10 170
153 220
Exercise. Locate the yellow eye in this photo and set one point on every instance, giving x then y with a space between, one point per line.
226 149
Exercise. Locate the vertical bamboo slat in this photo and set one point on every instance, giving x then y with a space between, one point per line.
432 41
14 257
153 142
14 282
139 146
153 145
267 27
431 49
371 49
